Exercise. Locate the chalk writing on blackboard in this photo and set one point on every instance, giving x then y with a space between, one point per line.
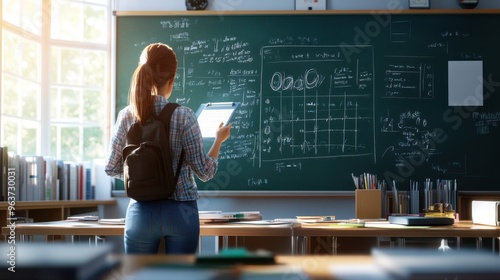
409 77
486 121
412 135
400 31
450 167
327 101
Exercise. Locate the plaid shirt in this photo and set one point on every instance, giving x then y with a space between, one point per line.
184 133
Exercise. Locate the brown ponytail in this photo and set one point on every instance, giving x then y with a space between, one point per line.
157 65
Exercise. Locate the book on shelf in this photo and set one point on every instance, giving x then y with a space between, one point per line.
62 171
13 164
89 189
51 190
35 178
21 174
3 174
72 180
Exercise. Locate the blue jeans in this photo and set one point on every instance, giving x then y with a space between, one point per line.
176 221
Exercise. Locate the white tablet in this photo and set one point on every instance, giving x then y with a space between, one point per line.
210 115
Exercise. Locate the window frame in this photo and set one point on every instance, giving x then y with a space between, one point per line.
47 43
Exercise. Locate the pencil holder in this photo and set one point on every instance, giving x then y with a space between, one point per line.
368 204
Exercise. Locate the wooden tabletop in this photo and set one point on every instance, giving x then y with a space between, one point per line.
375 229
94 228
385 229
65 228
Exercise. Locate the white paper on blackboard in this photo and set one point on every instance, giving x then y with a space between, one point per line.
465 83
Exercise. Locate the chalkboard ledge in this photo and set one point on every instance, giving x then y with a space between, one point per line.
299 12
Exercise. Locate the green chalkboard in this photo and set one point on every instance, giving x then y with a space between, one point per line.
325 95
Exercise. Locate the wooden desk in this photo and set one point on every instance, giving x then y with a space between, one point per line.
62 228
316 267
298 234
243 230
72 228
94 228
385 229
334 267
462 229
375 229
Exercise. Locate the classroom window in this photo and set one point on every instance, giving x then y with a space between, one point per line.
55 59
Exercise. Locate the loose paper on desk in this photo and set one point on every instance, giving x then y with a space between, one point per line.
210 115
83 218
115 221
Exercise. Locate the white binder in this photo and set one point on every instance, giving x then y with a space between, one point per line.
486 212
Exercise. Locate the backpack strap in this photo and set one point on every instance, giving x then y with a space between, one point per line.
165 116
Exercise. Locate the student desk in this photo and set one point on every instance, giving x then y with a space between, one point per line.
462 229
58 228
315 267
241 230
299 234
76 228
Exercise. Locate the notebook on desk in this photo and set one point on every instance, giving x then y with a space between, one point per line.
421 221
237 256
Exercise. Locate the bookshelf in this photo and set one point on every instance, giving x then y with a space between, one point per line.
44 211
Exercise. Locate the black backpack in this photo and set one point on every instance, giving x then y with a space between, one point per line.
147 164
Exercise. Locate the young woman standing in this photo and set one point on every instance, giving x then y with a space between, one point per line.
175 219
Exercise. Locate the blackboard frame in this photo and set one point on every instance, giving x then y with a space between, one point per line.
308 13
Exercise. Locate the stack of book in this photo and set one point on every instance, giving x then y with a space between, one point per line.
220 216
